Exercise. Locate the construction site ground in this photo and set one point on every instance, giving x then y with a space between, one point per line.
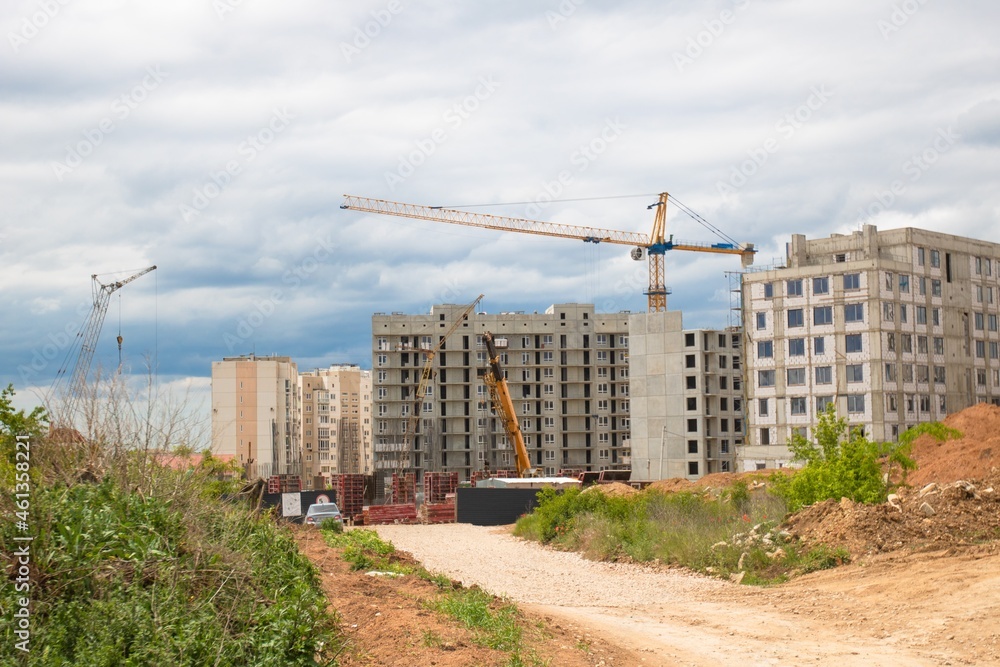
923 587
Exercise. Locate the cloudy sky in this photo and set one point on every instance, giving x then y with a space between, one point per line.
215 139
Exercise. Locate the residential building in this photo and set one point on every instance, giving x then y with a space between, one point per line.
893 328
336 423
686 398
255 414
567 369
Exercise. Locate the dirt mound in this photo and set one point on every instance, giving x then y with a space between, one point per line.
933 517
672 485
614 489
967 457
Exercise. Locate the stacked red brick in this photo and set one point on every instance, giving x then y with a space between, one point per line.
284 484
439 497
396 513
350 490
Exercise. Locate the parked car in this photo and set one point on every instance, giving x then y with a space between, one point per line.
317 512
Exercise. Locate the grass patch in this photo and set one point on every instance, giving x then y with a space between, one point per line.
734 531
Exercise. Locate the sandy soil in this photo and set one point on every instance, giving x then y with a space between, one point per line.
899 608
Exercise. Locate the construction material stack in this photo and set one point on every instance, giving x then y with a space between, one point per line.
350 488
403 488
439 497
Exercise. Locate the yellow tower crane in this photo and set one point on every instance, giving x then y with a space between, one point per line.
655 244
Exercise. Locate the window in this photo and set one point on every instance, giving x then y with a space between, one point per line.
935 259
768 290
981 377
383 359
936 316
921 315
824 375
692 403
980 349
852 343
902 313
890 342
904 283
797 405
692 425
923 286
935 287
822 402
796 375
854 312
765 436
855 373
765 349
939 376
821 285
819 345
795 318
689 361
762 407
692 446
979 320
692 467
992 322
793 287
907 372
888 312
691 382
796 347
765 378
923 374
921 344
761 321
890 372
855 403
907 343
889 282
938 345
994 349
890 402
822 315
852 281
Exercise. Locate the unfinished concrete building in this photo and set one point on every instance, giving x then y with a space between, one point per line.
893 328
686 391
567 369
336 423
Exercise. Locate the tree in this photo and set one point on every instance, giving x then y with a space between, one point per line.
16 422
846 464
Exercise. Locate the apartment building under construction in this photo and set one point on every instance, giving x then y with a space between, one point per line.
893 328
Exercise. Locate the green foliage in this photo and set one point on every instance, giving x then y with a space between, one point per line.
123 578
495 625
364 550
331 524
847 465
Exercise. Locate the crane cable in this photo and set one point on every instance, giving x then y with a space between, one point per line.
120 339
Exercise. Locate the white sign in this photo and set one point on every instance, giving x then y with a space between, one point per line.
291 504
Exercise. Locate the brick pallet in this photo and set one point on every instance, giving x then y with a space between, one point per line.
403 488
284 484
437 485
350 490
384 514
443 512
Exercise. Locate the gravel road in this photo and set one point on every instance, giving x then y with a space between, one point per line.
902 610
527 573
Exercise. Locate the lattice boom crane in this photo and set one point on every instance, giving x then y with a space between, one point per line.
655 244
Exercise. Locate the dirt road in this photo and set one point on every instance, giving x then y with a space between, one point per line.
937 608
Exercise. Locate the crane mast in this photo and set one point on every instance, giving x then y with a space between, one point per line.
88 336
503 404
655 244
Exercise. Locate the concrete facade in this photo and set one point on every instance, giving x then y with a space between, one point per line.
567 369
336 423
686 391
893 328
255 413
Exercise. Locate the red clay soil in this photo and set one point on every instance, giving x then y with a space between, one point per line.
385 622
968 457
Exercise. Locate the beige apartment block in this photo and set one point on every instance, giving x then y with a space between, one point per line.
568 374
336 423
686 398
255 413
893 328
